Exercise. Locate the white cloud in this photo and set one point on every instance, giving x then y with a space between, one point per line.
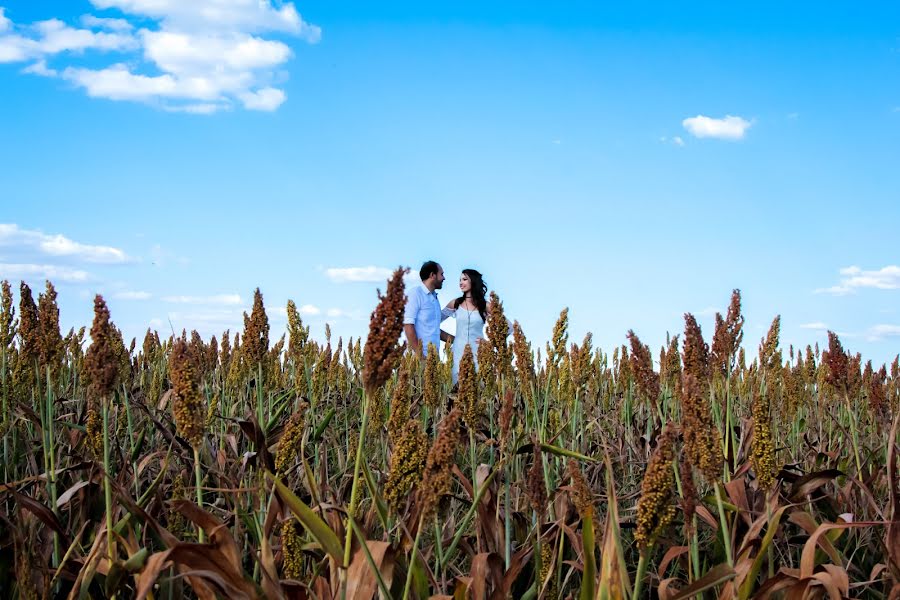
881 332
246 15
726 128
709 311
227 299
132 295
40 68
367 274
309 310
93 22
675 140
816 326
119 83
854 278
267 99
51 37
198 56
58 37
5 23
201 108
11 235
36 271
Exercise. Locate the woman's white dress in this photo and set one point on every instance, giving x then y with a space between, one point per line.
469 329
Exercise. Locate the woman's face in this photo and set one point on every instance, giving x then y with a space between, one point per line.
464 284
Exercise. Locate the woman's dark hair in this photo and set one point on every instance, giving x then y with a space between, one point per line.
429 268
478 290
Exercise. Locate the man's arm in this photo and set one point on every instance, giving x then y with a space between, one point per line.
409 319
446 336
411 338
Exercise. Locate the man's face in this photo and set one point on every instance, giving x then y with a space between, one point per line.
439 278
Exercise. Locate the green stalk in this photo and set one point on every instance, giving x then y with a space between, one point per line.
51 463
507 525
107 487
588 578
467 519
354 489
726 534
641 571
438 547
197 480
412 560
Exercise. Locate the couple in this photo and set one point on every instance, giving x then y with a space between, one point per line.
423 315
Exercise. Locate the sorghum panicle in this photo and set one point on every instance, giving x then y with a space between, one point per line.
837 363
292 549
582 495
656 507
187 404
497 332
256 334
702 441
382 352
524 356
696 351
642 365
468 389
407 463
399 409
50 342
557 347
536 486
437 478
291 440
101 360
431 388
762 451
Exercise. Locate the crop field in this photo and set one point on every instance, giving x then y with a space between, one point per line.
262 465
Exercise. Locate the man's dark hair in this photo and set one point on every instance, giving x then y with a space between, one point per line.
429 268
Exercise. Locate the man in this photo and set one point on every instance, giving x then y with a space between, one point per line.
422 317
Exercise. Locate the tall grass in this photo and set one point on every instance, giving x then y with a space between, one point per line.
186 467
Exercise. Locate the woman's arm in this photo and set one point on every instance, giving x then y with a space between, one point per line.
448 311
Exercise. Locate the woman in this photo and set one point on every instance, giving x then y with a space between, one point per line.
471 311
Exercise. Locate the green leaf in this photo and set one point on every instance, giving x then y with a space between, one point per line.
557 451
717 575
310 521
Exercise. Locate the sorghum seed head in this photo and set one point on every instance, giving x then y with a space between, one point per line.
187 405
581 492
407 463
291 440
382 353
656 507
437 478
102 360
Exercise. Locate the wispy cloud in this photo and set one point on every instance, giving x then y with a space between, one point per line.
197 56
52 272
854 278
675 140
815 326
223 299
309 310
132 295
726 128
58 245
355 274
882 332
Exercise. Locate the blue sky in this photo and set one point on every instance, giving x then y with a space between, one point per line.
631 163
